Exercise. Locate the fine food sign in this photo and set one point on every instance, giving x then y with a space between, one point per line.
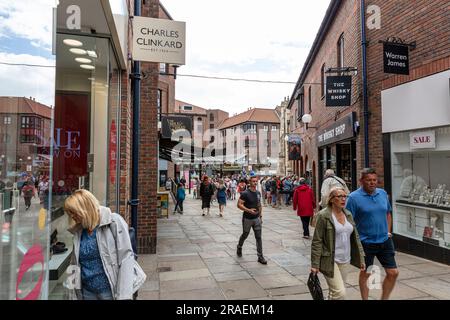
396 59
339 91
159 40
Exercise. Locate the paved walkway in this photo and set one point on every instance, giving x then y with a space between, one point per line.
196 260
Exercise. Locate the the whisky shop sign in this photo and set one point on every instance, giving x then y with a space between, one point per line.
342 129
339 91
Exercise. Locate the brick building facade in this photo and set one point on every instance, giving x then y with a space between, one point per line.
422 22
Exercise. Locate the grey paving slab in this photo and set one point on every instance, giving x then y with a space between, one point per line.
277 281
432 286
148 295
201 294
290 290
242 289
265 270
188 284
181 275
229 276
182 265
429 268
225 268
400 292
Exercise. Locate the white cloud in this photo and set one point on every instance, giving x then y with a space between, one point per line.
23 81
256 39
27 19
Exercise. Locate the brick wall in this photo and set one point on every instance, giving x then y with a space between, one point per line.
148 152
423 21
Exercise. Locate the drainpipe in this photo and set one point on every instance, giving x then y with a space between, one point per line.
365 89
136 76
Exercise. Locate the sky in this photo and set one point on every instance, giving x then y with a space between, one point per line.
250 39
26 37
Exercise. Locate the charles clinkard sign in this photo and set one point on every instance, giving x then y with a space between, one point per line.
159 40
396 58
339 91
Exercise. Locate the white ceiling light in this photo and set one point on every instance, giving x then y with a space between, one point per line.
83 60
87 67
72 43
91 79
92 54
78 51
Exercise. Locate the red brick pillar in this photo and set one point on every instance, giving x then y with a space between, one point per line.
148 149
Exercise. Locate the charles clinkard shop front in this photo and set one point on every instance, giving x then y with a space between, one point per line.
89 54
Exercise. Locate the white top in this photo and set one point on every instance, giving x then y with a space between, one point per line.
342 247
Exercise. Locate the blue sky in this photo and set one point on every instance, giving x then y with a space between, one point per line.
25 37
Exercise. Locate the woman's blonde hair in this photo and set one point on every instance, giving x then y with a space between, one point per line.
332 194
85 206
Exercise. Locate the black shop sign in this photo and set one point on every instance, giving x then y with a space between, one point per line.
342 129
173 126
339 91
396 59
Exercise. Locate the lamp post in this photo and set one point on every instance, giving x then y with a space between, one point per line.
307 119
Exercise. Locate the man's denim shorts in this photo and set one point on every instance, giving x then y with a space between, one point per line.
384 252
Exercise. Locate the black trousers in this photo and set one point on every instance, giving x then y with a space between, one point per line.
180 205
305 223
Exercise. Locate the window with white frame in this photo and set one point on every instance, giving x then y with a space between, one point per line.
7 120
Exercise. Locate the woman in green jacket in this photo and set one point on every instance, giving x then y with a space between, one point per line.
336 244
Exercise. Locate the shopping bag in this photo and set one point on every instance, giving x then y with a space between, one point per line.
314 286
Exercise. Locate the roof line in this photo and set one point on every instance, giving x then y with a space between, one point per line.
326 23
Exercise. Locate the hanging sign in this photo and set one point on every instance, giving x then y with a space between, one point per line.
396 58
159 40
339 91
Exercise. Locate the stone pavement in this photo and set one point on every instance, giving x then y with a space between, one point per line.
196 260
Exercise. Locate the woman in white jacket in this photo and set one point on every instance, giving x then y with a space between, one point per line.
103 256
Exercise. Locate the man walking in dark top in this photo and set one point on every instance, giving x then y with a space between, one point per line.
250 204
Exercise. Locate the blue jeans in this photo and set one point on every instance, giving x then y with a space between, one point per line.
88 295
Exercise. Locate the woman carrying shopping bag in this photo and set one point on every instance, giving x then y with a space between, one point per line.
336 245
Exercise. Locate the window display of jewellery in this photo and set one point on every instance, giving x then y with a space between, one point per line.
438 197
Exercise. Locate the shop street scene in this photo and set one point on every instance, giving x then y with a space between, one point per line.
224 150
196 260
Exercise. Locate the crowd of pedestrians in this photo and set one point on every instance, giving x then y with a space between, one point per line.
350 228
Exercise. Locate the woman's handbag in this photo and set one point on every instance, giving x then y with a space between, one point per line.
314 286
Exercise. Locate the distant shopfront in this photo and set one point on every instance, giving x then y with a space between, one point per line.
337 150
419 164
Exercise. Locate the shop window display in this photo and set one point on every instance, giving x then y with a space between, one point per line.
421 189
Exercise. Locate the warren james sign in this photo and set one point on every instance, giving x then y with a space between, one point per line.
339 91
396 59
159 40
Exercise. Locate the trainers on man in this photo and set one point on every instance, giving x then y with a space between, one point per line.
239 252
262 260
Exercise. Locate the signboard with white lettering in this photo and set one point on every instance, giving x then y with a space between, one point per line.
159 40
422 140
341 130
396 59
339 91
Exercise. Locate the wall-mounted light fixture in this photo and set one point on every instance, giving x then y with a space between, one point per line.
307 119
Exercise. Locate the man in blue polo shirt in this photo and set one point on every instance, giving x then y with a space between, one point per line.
372 214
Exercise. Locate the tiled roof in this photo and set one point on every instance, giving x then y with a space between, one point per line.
22 105
253 115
